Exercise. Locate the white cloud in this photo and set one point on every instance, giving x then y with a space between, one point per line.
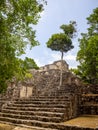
67 57
38 62
55 56
70 57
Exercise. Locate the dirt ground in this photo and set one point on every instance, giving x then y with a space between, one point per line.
86 121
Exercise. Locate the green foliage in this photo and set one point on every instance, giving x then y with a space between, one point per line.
93 22
60 42
17 18
30 64
70 29
88 53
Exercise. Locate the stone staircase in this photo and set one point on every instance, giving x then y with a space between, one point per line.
89 100
96 89
89 104
45 112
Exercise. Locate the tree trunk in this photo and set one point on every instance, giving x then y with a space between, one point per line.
61 69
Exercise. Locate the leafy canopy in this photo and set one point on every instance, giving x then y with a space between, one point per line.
30 64
17 18
88 53
60 42
70 29
63 41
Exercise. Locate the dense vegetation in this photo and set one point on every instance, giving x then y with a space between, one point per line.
88 52
16 20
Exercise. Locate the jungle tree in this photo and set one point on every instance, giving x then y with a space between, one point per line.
29 63
16 32
88 53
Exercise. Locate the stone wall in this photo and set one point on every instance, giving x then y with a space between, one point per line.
56 65
26 91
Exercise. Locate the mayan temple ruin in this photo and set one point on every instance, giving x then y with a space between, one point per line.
41 104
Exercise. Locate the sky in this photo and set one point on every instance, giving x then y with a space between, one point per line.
56 13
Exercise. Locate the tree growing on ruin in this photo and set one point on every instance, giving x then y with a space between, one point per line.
62 41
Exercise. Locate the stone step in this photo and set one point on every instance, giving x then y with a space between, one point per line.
32 117
90 95
38 128
40 105
24 127
32 127
89 109
37 109
90 104
43 98
42 102
53 126
52 96
34 123
36 113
